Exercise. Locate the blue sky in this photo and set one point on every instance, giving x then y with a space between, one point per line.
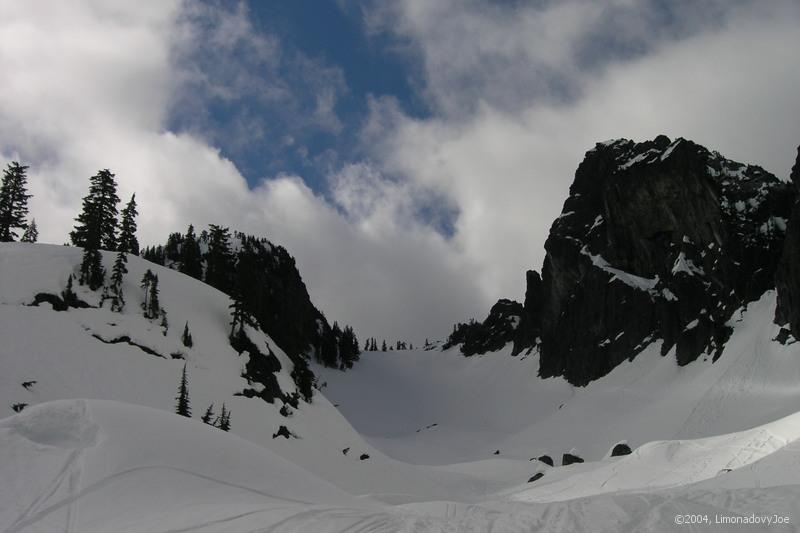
410 154
334 37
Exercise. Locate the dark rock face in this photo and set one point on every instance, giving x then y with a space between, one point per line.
620 449
657 240
660 240
569 459
499 328
536 476
787 278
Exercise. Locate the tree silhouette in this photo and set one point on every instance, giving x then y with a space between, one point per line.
13 201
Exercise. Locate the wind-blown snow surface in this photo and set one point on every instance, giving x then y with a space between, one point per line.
719 439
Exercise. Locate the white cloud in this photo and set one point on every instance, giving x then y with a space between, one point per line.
508 170
92 86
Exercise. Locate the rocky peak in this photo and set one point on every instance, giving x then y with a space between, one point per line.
662 239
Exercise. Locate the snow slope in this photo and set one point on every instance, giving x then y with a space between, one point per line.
495 402
449 438
98 466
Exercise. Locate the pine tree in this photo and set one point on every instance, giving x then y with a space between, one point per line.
183 408
92 271
68 295
219 259
242 285
151 306
117 274
155 306
31 232
13 201
186 338
207 418
164 324
97 222
383 346
127 241
223 421
191 260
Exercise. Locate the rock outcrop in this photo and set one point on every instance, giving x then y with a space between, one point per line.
659 240
787 279
499 328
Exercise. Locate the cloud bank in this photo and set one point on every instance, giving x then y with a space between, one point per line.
441 215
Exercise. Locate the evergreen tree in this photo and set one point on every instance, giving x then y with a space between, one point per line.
225 422
186 338
366 345
154 254
68 295
191 264
383 346
127 241
155 306
13 201
92 271
219 259
31 232
243 284
164 323
172 250
151 306
207 418
303 378
183 408
117 274
96 225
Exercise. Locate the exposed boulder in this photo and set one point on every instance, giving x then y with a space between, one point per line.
620 449
569 459
536 476
546 459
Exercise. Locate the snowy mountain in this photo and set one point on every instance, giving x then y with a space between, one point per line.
666 394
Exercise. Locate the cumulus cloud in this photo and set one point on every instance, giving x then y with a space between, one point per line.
443 214
507 163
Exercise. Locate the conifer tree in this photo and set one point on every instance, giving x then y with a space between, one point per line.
242 286
13 201
127 241
183 408
68 295
383 346
186 338
219 259
151 306
117 274
97 223
190 262
31 232
223 421
92 271
164 323
208 417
